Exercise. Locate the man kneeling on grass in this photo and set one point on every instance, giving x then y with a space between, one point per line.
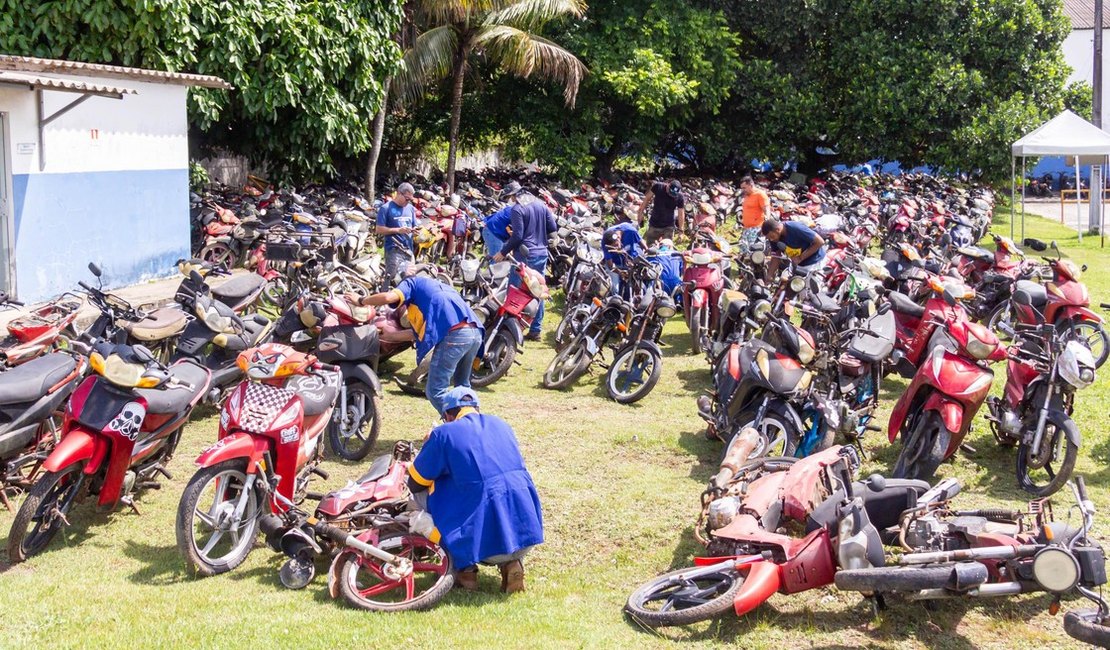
483 505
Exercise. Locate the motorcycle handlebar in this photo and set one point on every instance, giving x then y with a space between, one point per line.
1081 486
81 283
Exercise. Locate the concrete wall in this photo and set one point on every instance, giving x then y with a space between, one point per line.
114 188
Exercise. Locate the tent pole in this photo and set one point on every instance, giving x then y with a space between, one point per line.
1013 172
1023 197
1078 202
1102 211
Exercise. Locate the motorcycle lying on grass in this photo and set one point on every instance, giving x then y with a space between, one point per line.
378 564
268 449
33 334
120 430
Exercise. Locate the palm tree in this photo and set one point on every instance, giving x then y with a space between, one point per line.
501 31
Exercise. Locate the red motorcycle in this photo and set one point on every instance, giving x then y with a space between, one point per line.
120 430
379 564
269 446
703 282
1062 302
33 334
952 381
505 314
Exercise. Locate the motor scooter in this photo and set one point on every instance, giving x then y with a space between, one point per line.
703 282
33 334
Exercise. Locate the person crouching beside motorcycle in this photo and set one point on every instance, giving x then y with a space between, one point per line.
443 324
471 479
619 244
800 243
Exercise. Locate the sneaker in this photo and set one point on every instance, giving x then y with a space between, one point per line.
532 336
467 579
512 577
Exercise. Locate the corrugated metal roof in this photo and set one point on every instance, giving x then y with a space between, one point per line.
34 81
59 66
1082 14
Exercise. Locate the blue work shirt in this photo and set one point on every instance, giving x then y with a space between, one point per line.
531 224
498 222
631 242
481 498
392 215
670 270
795 238
433 309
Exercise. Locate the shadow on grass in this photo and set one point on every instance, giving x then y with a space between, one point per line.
163 565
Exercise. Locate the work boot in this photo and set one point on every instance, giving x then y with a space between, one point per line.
467 579
533 336
512 577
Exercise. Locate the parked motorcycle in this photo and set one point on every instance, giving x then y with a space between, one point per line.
120 430
33 334
505 313
703 281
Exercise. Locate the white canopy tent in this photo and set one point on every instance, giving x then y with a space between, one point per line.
1067 134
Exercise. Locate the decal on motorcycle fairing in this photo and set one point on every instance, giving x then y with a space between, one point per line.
289 434
261 405
129 420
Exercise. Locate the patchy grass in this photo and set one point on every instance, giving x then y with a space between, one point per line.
620 488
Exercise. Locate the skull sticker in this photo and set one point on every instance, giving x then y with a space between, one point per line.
129 420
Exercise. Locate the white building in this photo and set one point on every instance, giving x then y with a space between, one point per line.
93 168
1079 45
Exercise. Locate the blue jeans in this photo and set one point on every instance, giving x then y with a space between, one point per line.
536 263
452 362
396 261
493 242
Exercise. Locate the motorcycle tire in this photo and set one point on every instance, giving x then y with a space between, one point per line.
627 371
570 325
1057 477
667 587
923 448
364 408
1001 313
890 579
28 537
500 355
1085 625
186 533
1088 332
217 254
569 364
404 544
776 416
697 328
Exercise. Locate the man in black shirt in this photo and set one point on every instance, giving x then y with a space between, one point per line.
667 205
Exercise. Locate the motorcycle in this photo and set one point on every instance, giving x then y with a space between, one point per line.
268 449
638 361
32 335
378 565
505 313
703 282
950 385
119 431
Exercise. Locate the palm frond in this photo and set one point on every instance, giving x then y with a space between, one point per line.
531 15
523 54
427 61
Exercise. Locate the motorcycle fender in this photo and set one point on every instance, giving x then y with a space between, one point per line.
651 345
762 582
1074 313
237 445
951 412
1067 425
699 298
77 445
361 372
513 326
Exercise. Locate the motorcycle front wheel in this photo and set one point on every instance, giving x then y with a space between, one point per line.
923 448
365 583
569 364
1088 626
1000 314
43 512
672 599
633 373
217 254
1045 475
352 434
209 535
697 328
779 435
500 355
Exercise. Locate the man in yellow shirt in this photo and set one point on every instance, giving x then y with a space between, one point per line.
756 207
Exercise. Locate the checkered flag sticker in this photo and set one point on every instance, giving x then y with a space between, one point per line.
261 405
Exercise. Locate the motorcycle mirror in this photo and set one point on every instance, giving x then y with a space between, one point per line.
196 277
1035 244
95 269
143 354
883 308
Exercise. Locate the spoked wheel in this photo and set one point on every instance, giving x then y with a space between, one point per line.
923 448
217 254
779 436
44 512
1088 626
633 373
672 599
211 536
1092 335
1002 314
367 582
352 434
1042 472
569 364
500 355
571 324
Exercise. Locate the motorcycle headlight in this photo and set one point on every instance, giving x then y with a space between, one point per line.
797 284
212 318
665 309
805 351
761 310
1076 365
722 512
977 347
758 257
119 372
1055 569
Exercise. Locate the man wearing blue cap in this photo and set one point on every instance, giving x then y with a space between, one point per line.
483 504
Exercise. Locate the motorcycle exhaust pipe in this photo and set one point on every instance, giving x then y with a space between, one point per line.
273 528
963 555
739 450
984 591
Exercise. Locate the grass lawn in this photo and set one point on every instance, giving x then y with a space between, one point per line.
620 489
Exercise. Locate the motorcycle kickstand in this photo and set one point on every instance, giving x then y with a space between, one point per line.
878 604
129 501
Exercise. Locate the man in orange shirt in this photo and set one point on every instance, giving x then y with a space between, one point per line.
755 209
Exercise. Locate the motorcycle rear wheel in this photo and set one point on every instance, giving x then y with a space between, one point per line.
780 437
242 536
363 582
1087 626
1092 335
633 373
217 254
499 358
923 448
29 537
352 434
683 601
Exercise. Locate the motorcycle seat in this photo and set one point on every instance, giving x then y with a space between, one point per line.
161 324
875 343
976 252
824 302
253 325
903 304
317 393
30 381
991 277
188 379
235 290
1036 293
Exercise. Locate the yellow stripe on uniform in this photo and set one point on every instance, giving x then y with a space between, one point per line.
417 477
395 295
416 320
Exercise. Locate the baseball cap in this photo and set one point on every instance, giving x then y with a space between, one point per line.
511 189
675 189
459 397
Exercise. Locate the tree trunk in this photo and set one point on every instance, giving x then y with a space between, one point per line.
604 161
458 73
376 147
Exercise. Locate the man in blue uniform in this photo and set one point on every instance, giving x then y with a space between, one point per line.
443 324
483 504
532 223
803 245
396 221
496 229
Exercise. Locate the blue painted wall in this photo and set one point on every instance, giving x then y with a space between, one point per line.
134 224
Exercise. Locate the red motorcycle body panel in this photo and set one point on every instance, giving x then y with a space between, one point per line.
799 493
1018 377
958 380
762 582
698 298
387 487
75 446
811 563
1062 295
1074 313
951 412
236 445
